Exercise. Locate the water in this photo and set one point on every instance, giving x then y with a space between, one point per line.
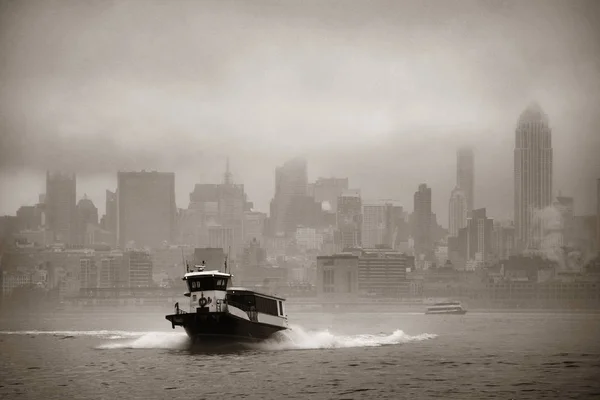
325 356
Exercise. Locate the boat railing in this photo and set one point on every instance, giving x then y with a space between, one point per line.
179 310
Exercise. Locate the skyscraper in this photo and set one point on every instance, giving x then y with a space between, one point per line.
479 236
87 213
533 175
349 219
291 180
61 208
457 211
422 220
146 208
373 224
465 174
381 223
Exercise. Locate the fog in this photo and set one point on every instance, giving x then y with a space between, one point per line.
382 92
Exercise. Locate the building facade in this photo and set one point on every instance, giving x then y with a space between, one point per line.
349 220
337 276
382 273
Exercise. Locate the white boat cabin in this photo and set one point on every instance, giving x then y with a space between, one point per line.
207 289
257 307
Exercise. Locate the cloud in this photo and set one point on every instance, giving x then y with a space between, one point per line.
381 92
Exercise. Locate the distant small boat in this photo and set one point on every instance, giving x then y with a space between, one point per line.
450 307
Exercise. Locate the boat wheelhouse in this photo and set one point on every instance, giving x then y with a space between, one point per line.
449 307
219 312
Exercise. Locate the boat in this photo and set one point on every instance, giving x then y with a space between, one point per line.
450 307
219 312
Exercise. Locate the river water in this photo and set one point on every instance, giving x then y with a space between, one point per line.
325 356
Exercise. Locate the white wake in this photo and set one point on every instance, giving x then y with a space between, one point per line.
150 340
298 338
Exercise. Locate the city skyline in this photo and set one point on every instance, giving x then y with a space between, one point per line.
397 108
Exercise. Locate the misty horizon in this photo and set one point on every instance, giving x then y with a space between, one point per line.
382 93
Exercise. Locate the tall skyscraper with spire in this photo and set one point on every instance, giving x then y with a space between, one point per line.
465 175
533 175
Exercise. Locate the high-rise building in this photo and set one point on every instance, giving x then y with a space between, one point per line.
422 220
232 200
291 180
479 236
381 224
503 240
146 208
87 213
213 205
61 210
373 224
254 227
458 211
465 174
533 176
349 219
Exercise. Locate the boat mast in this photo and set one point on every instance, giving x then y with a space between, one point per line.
184 263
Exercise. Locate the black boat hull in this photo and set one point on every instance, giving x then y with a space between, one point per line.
222 327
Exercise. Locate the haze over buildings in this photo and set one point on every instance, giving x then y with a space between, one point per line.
110 86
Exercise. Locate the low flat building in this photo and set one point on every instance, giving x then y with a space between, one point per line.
337 276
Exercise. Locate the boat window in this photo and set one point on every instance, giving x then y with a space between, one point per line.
267 306
207 283
250 302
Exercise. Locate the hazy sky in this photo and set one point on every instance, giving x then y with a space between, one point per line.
382 92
